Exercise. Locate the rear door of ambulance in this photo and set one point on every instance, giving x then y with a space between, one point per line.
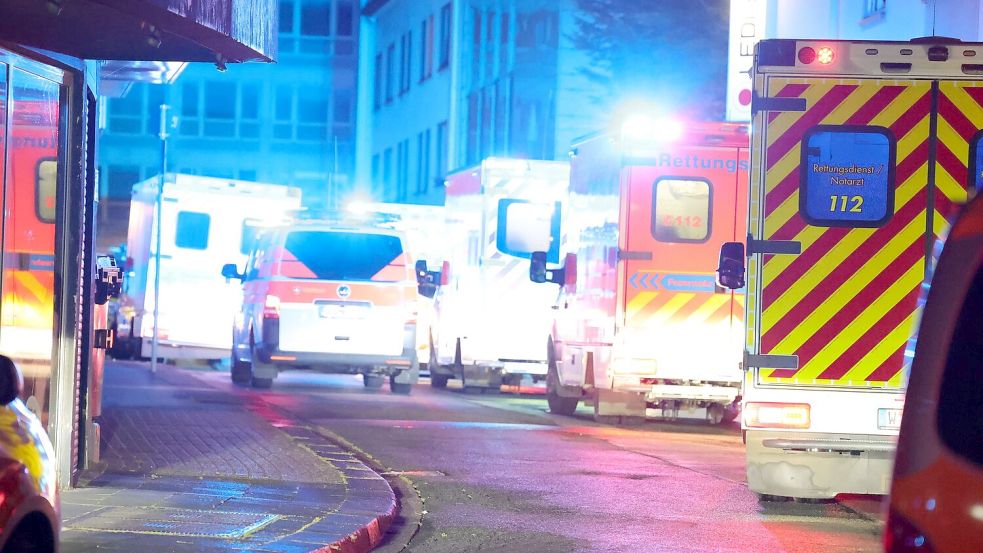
860 174
682 205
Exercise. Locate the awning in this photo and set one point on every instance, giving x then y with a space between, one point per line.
218 31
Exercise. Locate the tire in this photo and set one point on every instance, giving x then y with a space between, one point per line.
403 389
262 383
715 414
32 535
373 381
558 404
438 381
241 372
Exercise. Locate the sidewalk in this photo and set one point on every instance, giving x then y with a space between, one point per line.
186 467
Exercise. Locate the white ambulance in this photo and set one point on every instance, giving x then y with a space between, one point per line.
860 153
205 222
489 318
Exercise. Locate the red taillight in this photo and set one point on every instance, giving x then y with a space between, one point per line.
777 415
807 55
271 308
901 536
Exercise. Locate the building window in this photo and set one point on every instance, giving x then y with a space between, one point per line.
315 18
120 180
283 113
423 162
440 152
405 61
378 84
126 113
192 230
249 111
390 67
220 109
190 122
387 170
343 105
344 22
874 8
375 171
287 16
445 35
312 114
402 170
426 48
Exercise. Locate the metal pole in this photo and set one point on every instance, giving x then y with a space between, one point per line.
160 205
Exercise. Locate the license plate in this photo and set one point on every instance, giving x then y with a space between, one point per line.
889 419
342 311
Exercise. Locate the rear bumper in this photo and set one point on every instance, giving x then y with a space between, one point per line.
712 393
269 351
818 465
173 350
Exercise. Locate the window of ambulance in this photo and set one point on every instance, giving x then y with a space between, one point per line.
681 208
347 256
961 391
847 176
192 230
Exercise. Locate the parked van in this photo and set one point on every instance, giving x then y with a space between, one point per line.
328 296
937 488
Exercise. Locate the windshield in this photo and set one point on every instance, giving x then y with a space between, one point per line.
332 255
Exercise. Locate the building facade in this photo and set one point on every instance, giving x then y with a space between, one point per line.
289 123
447 83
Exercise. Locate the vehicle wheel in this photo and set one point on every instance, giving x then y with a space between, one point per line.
241 371
399 388
32 535
262 383
439 380
373 381
559 405
768 498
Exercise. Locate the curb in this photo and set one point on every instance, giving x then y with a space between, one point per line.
353 467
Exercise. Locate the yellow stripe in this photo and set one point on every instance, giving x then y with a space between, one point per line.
671 306
956 92
863 322
708 308
639 302
882 351
813 93
945 182
31 283
847 291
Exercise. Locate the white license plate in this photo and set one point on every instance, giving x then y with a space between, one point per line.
342 311
889 419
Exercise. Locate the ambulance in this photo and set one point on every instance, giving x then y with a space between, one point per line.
861 152
489 317
205 222
423 227
639 321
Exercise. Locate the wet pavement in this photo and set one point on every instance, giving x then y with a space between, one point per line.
189 467
499 473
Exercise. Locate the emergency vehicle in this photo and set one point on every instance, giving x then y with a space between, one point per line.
206 222
639 321
424 229
860 153
490 319
331 294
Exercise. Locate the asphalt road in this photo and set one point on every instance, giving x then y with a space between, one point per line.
499 473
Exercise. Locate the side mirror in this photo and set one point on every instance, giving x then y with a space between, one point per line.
539 274
230 271
537 267
11 380
730 270
421 271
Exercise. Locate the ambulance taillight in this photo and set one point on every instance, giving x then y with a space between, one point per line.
777 415
271 307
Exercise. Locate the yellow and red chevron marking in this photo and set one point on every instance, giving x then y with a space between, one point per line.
846 305
28 299
960 117
649 308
